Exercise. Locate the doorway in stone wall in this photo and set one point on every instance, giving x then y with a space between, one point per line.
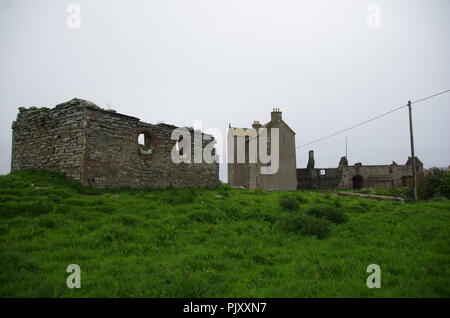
357 182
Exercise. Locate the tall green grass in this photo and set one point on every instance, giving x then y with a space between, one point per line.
219 242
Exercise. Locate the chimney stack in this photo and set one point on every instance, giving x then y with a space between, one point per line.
311 162
276 114
256 124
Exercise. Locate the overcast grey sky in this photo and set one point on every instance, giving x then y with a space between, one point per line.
232 61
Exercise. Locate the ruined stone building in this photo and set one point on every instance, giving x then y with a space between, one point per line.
101 148
357 176
345 176
248 174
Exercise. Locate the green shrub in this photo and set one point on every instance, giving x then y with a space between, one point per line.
288 202
337 203
328 212
444 187
305 225
431 182
301 199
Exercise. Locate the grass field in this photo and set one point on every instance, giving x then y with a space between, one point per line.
212 243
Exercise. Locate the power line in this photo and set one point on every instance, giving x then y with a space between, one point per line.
367 121
437 94
372 119
352 127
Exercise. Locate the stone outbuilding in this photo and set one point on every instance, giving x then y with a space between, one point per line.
104 149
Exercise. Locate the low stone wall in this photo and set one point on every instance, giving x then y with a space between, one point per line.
371 196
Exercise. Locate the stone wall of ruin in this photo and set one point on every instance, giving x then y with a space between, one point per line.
100 148
373 176
376 176
114 156
313 179
50 139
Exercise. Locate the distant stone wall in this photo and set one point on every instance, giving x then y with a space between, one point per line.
377 176
356 176
100 148
318 178
50 139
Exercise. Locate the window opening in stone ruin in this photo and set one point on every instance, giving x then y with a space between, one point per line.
322 172
144 141
141 140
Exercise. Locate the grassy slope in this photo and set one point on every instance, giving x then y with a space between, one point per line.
191 243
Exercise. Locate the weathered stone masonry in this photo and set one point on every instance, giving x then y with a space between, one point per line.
345 176
357 176
100 148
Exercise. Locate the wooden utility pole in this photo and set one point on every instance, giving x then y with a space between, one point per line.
413 157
